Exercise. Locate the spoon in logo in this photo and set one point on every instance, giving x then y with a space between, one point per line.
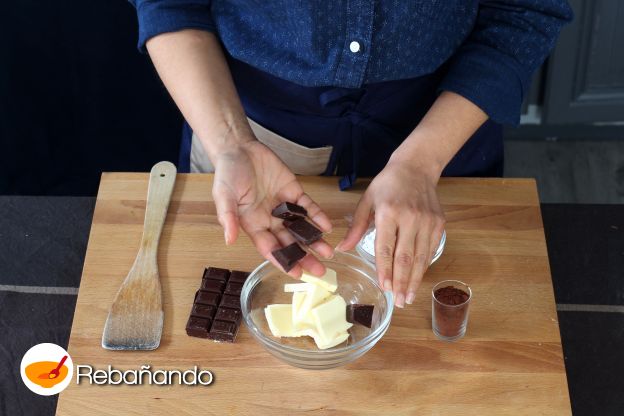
54 373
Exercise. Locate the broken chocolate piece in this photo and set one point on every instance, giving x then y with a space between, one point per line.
223 331
238 276
198 327
216 273
303 231
361 314
203 311
289 211
207 298
288 256
210 285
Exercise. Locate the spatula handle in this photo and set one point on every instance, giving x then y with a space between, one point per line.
162 179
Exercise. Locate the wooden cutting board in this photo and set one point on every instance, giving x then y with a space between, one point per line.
509 363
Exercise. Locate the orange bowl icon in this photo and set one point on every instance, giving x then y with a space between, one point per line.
40 373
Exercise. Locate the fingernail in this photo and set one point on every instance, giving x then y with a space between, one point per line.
339 246
225 236
400 300
387 285
410 298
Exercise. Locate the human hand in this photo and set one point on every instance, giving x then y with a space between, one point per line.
409 222
250 180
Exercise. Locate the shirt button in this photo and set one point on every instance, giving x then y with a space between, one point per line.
354 47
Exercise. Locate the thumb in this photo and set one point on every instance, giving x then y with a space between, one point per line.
227 213
361 220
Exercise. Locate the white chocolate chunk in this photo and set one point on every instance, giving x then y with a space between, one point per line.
328 281
323 345
330 319
296 287
313 297
279 318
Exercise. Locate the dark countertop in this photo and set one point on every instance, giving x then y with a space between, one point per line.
43 242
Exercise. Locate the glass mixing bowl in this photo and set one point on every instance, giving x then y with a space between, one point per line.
357 283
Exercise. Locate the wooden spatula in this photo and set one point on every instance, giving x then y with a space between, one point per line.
135 319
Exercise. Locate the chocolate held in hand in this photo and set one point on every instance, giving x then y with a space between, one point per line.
289 211
288 256
361 314
303 231
216 313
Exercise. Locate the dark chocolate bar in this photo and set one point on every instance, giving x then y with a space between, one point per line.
223 331
361 314
216 273
228 314
216 312
198 327
210 285
238 276
233 288
289 211
288 256
207 298
203 311
303 231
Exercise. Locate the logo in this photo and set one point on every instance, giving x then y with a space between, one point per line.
46 369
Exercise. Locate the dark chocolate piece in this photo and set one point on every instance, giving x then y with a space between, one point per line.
216 273
233 288
228 314
210 285
361 314
230 301
289 211
288 256
203 311
197 327
223 331
303 231
238 276
207 298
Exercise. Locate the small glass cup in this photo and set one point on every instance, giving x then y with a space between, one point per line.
449 320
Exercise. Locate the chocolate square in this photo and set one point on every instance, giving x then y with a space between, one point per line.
203 311
207 298
233 288
210 285
238 276
198 327
361 314
288 256
216 273
303 231
289 211
227 314
230 301
223 331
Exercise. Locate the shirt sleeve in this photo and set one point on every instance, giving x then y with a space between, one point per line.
161 16
510 40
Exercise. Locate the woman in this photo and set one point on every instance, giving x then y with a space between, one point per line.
401 91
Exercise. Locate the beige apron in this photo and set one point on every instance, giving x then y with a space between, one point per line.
300 159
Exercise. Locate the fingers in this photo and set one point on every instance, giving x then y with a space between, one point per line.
315 213
227 212
403 260
421 258
361 220
385 241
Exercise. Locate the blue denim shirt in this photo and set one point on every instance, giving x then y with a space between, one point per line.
492 47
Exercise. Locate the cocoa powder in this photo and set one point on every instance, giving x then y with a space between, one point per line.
449 320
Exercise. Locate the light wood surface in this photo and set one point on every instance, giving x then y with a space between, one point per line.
135 319
509 363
